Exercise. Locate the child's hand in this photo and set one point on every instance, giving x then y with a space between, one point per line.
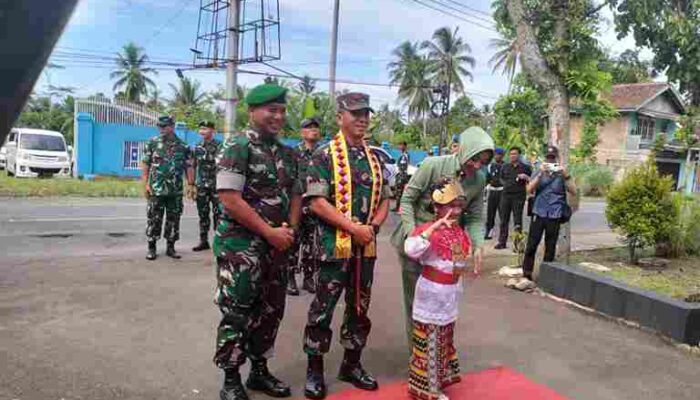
444 221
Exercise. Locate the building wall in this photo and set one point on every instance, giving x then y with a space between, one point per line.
116 149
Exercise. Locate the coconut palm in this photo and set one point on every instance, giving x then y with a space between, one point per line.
307 85
506 57
449 58
131 73
188 93
405 55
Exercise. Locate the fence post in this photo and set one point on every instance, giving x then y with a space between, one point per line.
84 144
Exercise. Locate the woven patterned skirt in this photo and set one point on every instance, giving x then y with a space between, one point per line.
434 362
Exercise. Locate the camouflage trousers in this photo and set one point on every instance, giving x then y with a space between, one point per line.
171 206
251 295
303 257
208 210
334 277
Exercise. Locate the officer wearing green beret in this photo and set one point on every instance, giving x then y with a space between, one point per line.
347 191
167 158
260 196
205 180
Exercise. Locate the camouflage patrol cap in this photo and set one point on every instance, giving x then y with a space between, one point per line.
353 102
265 94
207 124
308 122
165 120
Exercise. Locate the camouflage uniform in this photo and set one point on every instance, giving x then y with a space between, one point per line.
401 176
303 257
252 275
336 275
167 158
205 179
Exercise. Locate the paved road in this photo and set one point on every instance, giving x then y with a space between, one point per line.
86 317
50 227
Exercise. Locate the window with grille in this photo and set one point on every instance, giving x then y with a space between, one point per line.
646 128
133 152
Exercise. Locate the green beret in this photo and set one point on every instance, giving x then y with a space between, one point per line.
165 120
266 94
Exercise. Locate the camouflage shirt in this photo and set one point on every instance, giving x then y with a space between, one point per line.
205 163
303 160
167 158
265 171
320 182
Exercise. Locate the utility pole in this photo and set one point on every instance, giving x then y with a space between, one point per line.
232 67
334 49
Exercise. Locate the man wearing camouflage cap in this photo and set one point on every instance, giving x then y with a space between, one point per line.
347 192
204 155
303 257
167 158
260 196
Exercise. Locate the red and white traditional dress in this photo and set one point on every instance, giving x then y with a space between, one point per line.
434 363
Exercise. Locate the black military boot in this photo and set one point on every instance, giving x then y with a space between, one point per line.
315 387
292 288
351 371
203 244
170 251
233 388
151 255
309 284
262 380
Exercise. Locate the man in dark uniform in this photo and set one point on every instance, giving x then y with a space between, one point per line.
514 176
205 180
347 191
166 160
402 175
258 189
304 260
494 188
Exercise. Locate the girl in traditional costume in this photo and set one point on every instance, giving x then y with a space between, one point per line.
442 248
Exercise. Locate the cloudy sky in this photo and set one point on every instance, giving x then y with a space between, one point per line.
369 31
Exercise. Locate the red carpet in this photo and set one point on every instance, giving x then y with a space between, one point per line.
492 384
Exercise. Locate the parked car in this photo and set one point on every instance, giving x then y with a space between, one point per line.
33 153
391 166
3 157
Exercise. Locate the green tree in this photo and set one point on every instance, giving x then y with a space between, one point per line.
506 57
640 207
132 75
628 68
519 117
464 114
449 56
188 93
670 29
40 113
594 113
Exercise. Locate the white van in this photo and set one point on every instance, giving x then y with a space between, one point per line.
35 153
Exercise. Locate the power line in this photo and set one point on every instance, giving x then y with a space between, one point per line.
470 8
462 11
158 31
445 12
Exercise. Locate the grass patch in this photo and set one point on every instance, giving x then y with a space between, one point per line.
680 280
101 187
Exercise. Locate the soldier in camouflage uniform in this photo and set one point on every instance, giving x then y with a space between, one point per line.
204 155
166 160
346 189
303 257
402 175
259 193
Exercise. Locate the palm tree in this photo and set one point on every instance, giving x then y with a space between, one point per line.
506 57
449 56
131 73
307 85
187 93
411 72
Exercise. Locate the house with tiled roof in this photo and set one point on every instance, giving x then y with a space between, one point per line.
646 110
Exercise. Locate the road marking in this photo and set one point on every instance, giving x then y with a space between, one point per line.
82 219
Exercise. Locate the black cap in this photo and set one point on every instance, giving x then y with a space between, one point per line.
308 122
166 120
207 124
552 151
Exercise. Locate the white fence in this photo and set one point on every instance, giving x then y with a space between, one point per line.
117 112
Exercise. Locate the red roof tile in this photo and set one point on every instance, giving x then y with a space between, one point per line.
633 95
